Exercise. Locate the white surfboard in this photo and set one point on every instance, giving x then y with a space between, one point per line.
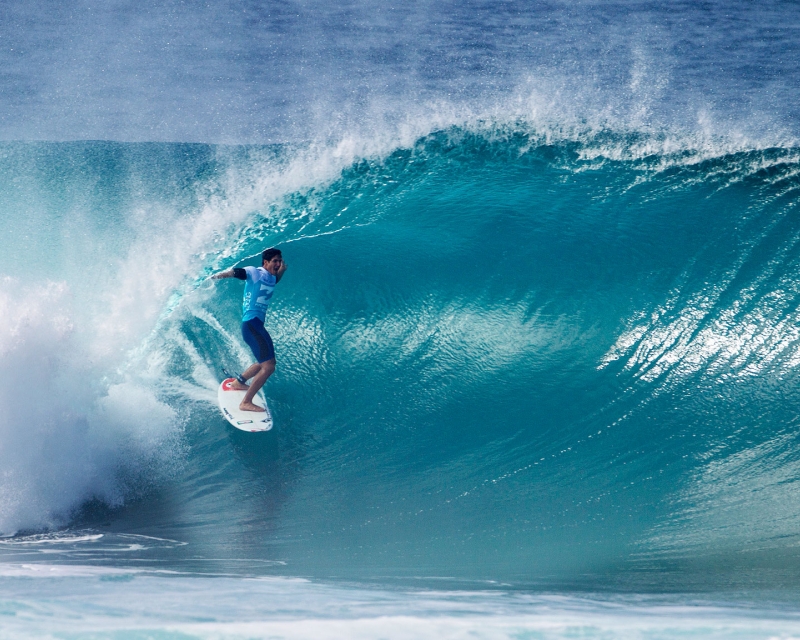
229 400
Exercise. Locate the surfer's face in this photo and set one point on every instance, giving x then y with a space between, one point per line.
273 265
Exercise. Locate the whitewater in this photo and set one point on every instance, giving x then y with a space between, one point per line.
537 344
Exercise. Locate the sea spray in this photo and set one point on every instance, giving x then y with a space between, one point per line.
67 438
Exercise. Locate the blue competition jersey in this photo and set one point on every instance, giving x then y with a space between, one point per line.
258 289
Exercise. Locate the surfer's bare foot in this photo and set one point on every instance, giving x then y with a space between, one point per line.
239 386
249 406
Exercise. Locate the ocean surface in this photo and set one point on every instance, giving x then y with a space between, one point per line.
538 343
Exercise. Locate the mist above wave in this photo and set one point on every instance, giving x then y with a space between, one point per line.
242 72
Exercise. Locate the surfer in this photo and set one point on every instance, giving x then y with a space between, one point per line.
259 284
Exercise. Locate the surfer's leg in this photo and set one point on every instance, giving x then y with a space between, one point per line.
265 371
252 370
260 343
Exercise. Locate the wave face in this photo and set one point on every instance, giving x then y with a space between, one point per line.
502 354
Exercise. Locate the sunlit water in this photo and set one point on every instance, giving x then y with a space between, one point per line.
537 344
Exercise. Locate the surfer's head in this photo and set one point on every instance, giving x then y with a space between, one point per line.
269 254
271 260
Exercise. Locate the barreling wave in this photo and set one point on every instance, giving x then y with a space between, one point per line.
501 351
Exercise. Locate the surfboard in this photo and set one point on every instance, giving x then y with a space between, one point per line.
251 421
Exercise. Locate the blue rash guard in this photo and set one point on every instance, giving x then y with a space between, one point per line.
258 288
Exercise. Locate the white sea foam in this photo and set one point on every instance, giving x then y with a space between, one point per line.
65 436
49 600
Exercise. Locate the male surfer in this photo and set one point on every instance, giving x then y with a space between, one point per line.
259 284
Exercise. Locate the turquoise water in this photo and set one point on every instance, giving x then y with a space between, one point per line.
550 365
537 344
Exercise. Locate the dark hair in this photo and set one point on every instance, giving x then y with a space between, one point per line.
269 254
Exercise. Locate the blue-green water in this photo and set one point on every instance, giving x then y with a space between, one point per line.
537 342
498 357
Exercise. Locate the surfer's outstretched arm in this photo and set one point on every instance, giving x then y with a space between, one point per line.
230 273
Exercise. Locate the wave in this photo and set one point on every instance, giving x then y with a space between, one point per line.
502 350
